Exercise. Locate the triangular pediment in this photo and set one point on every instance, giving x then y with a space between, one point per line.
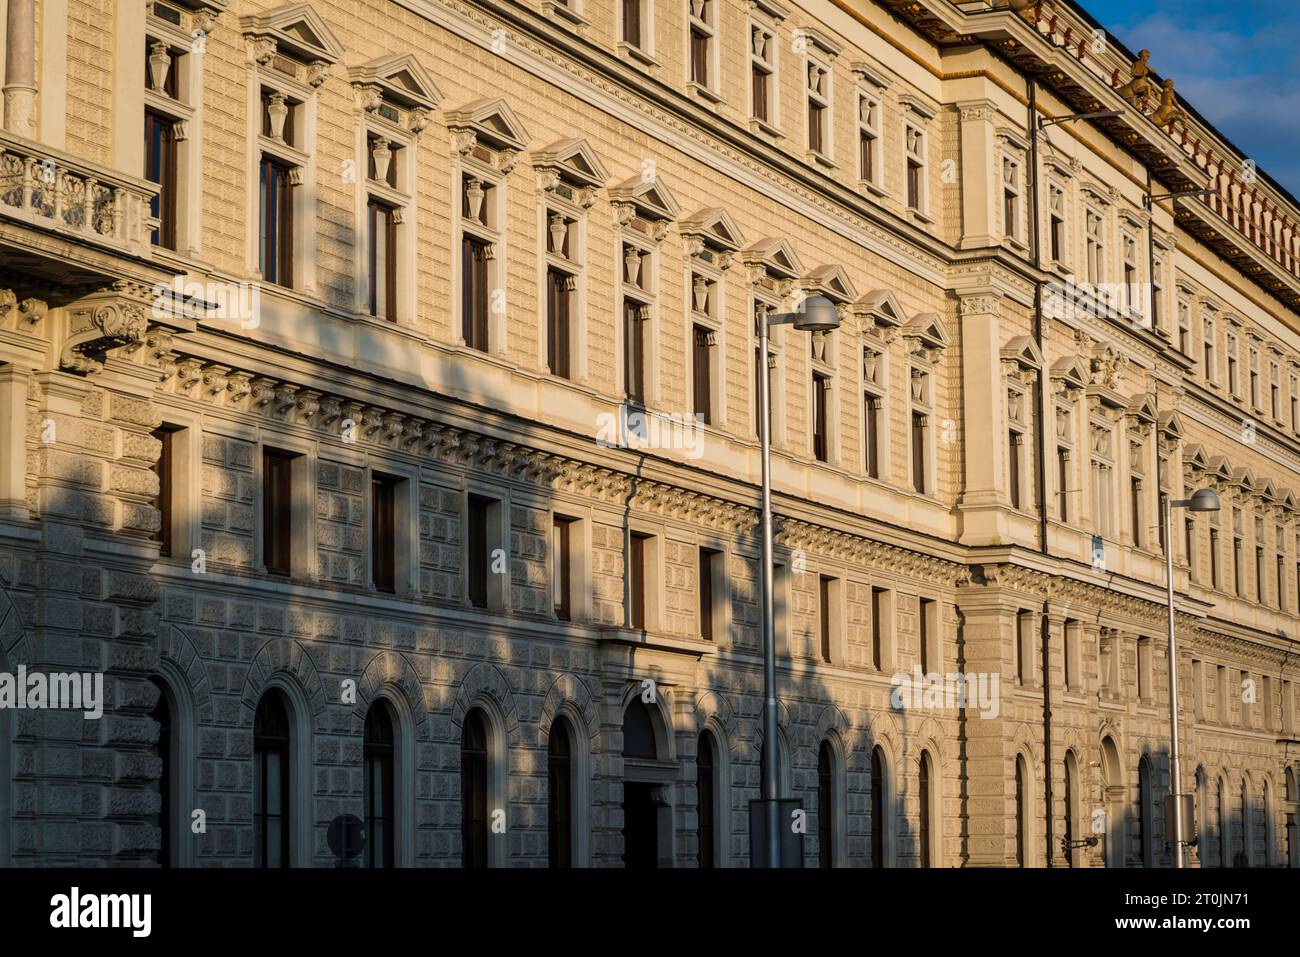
776 255
1194 456
1219 469
1287 497
1268 490
1245 478
883 307
929 328
1025 351
650 195
298 30
575 161
831 281
1171 425
1073 371
492 121
402 79
715 226
1143 407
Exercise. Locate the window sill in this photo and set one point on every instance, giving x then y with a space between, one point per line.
920 217
568 18
818 158
871 189
701 92
1014 244
763 126
634 54
1060 267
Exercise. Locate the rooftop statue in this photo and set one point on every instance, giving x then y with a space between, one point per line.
1140 86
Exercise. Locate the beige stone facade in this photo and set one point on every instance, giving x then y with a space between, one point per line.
969 473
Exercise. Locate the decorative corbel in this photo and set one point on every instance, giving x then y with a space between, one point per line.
239 385
308 404
214 379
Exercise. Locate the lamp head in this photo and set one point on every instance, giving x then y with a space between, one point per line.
1203 500
817 314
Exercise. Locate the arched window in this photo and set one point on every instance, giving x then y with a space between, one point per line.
1243 856
1022 817
825 807
559 807
925 840
377 750
707 798
1071 805
1144 813
1201 809
1292 819
162 713
1270 843
474 790
639 732
878 806
1225 854
272 745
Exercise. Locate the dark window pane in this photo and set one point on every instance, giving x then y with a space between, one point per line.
474 791
557 322
704 785
636 580
700 367
639 732
559 820
474 293
277 511
383 533
271 747
160 168
825 808
163 503
561 564
707 559
634 350
379 779
476 550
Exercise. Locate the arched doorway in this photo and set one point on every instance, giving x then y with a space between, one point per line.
1071 807
559 795
648 773
380 784
1112 792
272 779
1292 825
474 790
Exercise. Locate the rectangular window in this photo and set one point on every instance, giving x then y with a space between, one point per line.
381 264
701 17
821 443
1234 386
1010 198
1056 228
1144 669
1281 582
1238 586
1214 558
562 567
1221 692
818 96
1063 483
868 138
1013 466
383 533
915 142
879 603
275 224
1208 359
708 572
559 287
1189 546
1198 689
634 350
476 549
761 68
632 22
1259 576
474 295
1135 510
926 633
871 410
824 615
918 451
1095 247
701 359
165 470
277 510
160 167
636 579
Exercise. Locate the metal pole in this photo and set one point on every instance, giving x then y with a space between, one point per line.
1175 773
770 732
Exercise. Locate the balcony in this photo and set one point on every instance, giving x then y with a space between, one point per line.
69 221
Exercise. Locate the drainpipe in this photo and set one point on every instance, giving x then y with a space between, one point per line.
1040 473
20 68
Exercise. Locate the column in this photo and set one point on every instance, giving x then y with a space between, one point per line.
20 68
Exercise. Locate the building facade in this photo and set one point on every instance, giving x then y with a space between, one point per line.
381 424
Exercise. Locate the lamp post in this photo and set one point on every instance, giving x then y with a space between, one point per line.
815 314
1204 500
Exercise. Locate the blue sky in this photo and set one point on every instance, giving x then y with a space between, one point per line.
1236 61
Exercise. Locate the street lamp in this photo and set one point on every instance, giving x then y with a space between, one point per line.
815 314
1202 500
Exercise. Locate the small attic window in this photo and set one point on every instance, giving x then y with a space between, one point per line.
390 113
